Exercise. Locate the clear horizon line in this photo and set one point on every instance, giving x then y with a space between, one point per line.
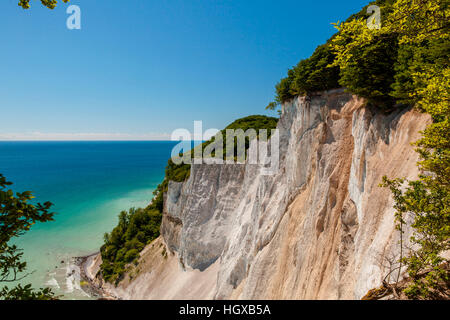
99 140
85 140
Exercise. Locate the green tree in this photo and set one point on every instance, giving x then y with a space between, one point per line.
310 75
51 4
315 74
422 79
17 216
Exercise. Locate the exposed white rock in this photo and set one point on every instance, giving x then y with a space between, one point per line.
320 228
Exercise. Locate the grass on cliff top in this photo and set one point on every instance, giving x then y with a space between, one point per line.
138 227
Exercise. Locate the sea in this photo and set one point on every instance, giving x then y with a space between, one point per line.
89 183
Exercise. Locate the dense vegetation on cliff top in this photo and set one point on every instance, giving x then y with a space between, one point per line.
414 43
377 64
139 227
370 73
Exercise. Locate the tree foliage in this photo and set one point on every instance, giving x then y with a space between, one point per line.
419 31
51 4
370 72
17 216
136 228
310 75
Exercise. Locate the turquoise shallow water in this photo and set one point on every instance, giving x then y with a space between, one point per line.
89 184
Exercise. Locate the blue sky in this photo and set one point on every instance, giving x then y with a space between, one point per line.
139 69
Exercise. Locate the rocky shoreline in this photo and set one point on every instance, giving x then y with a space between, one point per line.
88 283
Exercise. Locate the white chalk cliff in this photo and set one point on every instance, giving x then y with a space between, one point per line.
320 228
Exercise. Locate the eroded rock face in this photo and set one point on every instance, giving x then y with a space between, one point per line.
320 228
204 207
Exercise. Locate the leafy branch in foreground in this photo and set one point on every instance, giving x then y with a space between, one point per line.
27 293
17 216
51 4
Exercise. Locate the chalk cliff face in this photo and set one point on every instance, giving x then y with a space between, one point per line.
320 228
